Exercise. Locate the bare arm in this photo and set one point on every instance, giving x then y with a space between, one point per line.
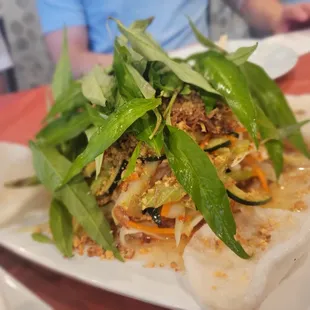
82 60
272 15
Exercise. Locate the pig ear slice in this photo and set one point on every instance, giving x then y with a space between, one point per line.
220 279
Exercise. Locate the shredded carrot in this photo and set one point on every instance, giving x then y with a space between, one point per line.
133 177
257 171
240 129
151 229
185 218
165 209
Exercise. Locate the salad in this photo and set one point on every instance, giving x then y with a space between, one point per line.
153 147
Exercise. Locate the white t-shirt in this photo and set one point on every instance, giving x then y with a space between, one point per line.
5 58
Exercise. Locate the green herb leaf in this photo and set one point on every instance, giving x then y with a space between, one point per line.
199 178
229 81
24 182
203 40
117 123
132 162
292 129
210 101
159 119
63 129
97 86
61 227
274 145
51 168
70 99
143 129
130 82
146 89
242 54
273 102
144 45
138 25
96 118
38 237
98 160
163 79
141 24
63 75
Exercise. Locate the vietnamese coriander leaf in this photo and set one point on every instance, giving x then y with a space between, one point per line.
63 75
202 39
51 168
39 237
144 45
144 127
60 221
291 129
273 102
146 89
132 162
229 81
242 54
131 84
98 160
70 99
197 175
97 86
95 116
116 124
63 129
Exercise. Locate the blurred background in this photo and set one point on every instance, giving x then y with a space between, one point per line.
32 65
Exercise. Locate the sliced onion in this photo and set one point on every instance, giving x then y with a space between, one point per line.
176 210
191 224
179 224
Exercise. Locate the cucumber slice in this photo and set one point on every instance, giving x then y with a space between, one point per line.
248 199
153 158
217 143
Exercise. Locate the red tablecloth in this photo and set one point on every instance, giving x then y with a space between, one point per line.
20 118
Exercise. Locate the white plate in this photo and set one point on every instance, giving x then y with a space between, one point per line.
15 296
158 286
275 58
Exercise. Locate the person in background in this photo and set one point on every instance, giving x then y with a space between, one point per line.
276 16
91 36
5 64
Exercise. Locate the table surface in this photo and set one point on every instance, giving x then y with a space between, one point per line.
20 118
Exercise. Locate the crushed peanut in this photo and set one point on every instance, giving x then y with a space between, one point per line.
144 250
220 274
149 265
109 254
298 206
